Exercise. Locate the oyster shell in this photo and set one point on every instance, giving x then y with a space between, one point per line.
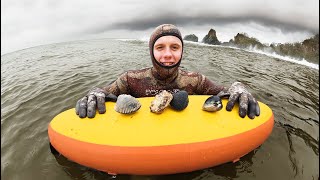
127 104
180 100
161 101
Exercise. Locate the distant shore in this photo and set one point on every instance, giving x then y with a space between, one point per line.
308 49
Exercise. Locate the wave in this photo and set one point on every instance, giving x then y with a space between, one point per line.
286 58
270 54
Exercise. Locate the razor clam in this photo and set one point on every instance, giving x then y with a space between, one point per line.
161 101
212 104
127 104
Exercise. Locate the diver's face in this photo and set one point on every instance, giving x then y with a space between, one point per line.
167 50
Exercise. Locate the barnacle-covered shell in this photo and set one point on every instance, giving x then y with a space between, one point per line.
161 101
212 104
127 104
180 100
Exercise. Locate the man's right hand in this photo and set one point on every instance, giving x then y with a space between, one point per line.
96 98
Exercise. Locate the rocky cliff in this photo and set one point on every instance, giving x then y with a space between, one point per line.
191 37
308 49
211 38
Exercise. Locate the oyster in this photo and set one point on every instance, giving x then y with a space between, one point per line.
212 104
127 104
180 100
161 101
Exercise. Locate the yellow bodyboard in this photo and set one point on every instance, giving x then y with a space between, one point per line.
144 128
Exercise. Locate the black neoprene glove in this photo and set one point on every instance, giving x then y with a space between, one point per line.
247 103
96 98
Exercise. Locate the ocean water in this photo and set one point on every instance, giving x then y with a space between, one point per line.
40 82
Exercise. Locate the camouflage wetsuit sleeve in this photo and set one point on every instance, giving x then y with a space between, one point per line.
206 86
119 86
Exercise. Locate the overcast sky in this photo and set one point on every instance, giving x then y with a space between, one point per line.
28 23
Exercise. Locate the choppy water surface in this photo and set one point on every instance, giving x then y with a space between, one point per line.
40 82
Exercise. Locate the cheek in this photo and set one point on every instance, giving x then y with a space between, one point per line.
157 55
177 55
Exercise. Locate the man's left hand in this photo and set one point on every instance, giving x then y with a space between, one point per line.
247 103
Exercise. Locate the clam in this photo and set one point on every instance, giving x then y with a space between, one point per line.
127 104
180 100
212 104
161 101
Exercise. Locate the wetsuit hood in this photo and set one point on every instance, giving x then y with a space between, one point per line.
160 71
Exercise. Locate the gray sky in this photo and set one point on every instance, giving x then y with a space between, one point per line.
28 23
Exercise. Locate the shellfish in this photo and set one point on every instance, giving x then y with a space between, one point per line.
212 104
161 101
127 104
180 100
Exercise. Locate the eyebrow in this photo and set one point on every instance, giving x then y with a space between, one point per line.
177 44
171 44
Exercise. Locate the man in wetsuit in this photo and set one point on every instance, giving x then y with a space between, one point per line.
166 49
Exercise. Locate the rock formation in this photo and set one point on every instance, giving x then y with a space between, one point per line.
242 40
191 37
211 38
308 49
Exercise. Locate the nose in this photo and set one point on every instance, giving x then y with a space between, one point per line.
167 53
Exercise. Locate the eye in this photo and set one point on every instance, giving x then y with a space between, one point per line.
175 47
159 48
